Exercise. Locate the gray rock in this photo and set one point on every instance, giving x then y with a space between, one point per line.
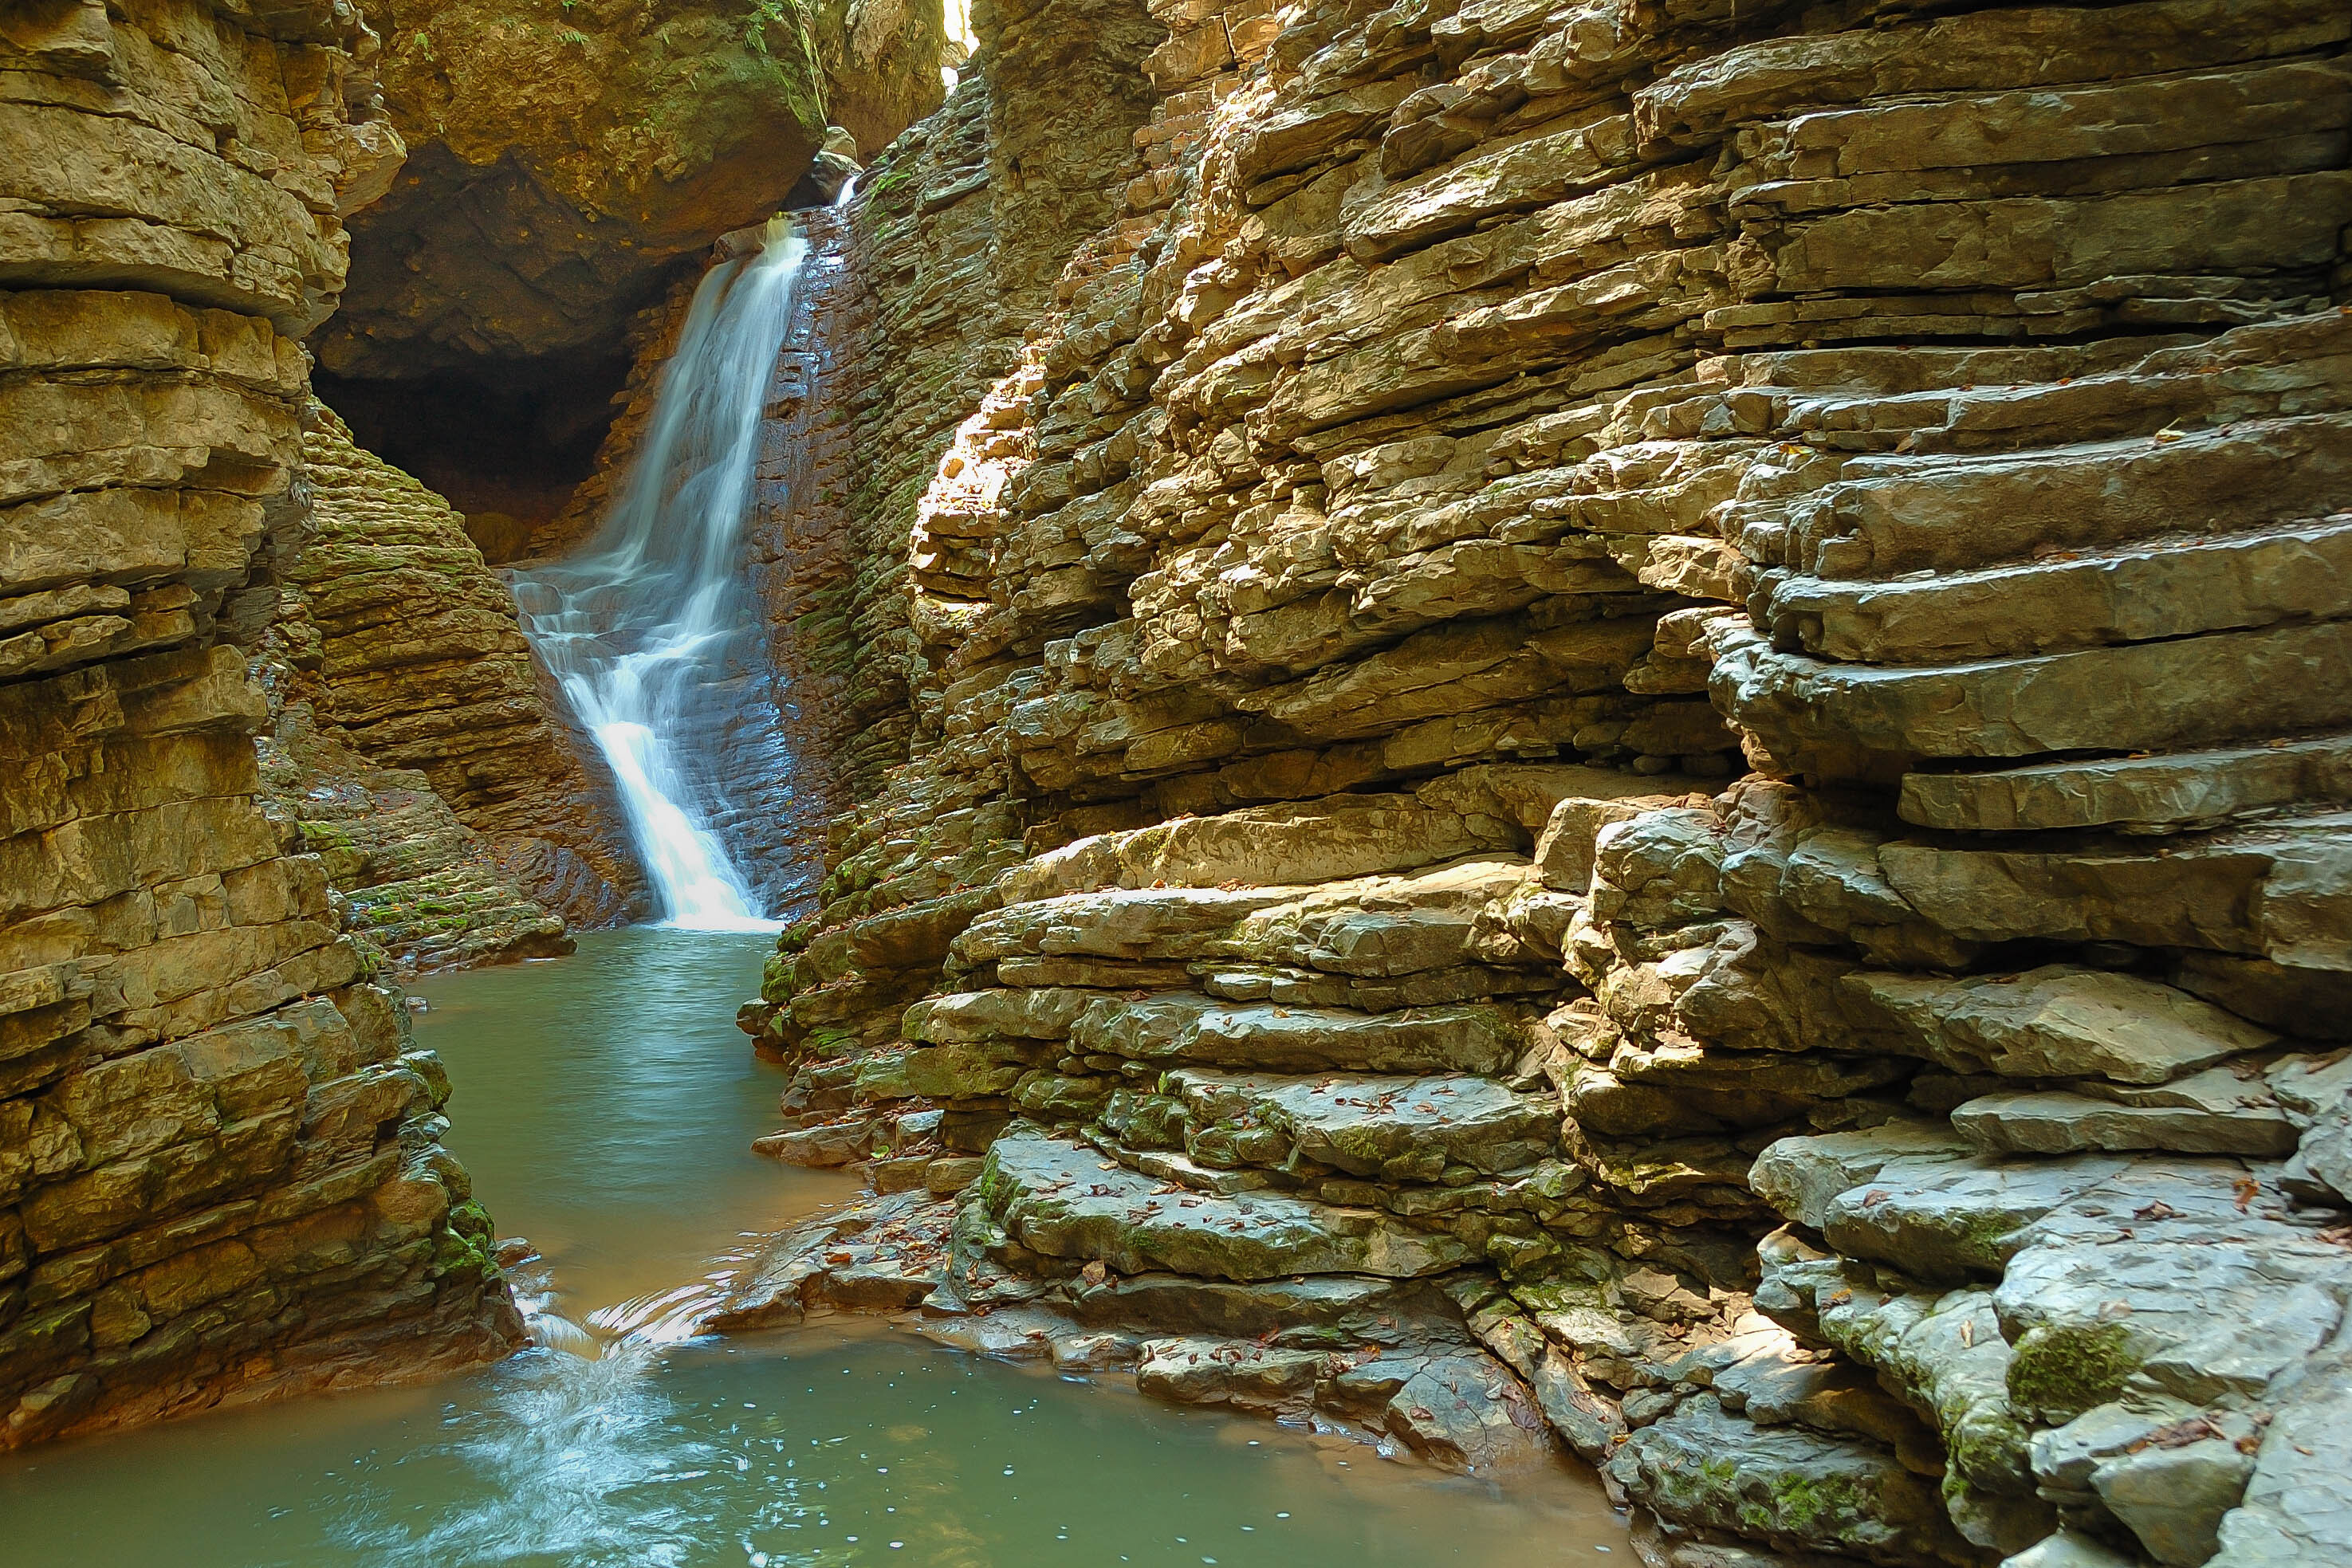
2173 791
2068 1549
2173 1497
1064 1200
2243 1122
1468 1413
2058 1022
1944 1220
2297 1511
1796 1489
1182 1025
2160 1282
1193 1371
1799 1177
1403 1128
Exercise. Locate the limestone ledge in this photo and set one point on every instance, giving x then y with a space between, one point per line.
205 151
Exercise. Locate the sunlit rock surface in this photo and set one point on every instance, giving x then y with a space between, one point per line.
1765 579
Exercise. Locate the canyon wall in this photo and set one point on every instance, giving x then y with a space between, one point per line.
411 736
1623 729
219 1169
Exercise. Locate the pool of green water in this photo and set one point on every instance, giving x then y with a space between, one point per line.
605 1104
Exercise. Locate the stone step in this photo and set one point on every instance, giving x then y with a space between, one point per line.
2052 1022
2274 888
1427 989
1365 926
2176 791
1397 1128
1897 514
1186 1026
2173 588
1294 844
2221 686
1065 1200
2211 1112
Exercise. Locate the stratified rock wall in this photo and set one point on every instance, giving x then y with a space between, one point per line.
392 647
219 1169
1483 430
918 295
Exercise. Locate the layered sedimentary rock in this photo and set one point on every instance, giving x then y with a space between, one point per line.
219 1169
918 299
1316 878
412 737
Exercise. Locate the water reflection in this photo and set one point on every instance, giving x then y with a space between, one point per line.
606 1106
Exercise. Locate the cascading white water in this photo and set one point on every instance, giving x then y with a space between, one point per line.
642 625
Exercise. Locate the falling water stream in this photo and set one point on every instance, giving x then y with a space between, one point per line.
650 628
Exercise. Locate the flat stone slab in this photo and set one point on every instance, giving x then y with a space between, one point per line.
2181 789
1184 1026
2235 1118
1799 1177
2056 1022
1065 1199
2137 594
1945 1220
1370 1125
2191 691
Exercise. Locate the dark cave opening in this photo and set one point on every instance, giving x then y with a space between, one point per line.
507 441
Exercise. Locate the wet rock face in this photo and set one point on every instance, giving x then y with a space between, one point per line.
1483 433
219 1165
565 168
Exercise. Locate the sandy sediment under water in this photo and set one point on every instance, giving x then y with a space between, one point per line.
605 1105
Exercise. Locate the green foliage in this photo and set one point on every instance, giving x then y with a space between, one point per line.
2058 1372
766 14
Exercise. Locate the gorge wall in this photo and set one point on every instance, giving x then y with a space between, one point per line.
412 738
220 1174
1617 726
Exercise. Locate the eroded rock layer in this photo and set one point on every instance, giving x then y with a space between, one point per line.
392 637
219 1169
567 166
1317 895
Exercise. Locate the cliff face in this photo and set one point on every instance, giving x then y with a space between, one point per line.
219 1175
1320 879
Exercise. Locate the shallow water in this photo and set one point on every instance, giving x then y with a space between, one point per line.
603 1106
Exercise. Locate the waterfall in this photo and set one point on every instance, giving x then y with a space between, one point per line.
650 628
